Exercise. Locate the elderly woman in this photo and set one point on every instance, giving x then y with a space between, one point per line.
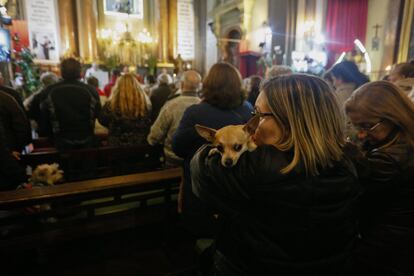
286 207
383 115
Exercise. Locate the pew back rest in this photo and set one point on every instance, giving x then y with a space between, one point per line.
90 207
100 162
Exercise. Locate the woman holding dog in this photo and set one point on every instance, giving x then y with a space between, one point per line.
287 207
383 117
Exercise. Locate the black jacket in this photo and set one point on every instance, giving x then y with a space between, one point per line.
68 110
275 224
158 98
11 173
387 209
16 126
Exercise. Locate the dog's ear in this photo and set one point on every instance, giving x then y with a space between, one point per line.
206 132
251 125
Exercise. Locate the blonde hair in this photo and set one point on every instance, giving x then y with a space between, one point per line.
385 100
128 97
310 118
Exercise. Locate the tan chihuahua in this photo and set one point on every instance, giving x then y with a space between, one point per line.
230 141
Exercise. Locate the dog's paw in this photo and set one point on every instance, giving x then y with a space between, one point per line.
213 151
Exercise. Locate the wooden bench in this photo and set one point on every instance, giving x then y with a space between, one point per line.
100 162
92 207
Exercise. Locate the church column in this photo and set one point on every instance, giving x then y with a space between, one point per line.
87 24
68 30
172 29
163 30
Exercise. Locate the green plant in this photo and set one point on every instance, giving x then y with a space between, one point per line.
24 61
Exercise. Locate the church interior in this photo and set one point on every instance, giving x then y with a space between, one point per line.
306 107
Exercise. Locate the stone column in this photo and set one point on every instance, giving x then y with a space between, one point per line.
163 30
172 29
87 24
68 29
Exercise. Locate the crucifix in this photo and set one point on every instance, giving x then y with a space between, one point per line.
375 39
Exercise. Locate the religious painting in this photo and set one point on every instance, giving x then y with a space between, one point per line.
5 45
44 45
133 8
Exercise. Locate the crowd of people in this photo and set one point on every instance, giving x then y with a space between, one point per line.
328 191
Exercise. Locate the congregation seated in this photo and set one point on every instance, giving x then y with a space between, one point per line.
127 113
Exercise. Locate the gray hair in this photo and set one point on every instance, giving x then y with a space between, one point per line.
48 78
164 78
278 70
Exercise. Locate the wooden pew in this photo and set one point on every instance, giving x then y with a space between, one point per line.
100 162
84 208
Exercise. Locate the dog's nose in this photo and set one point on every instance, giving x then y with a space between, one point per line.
228 163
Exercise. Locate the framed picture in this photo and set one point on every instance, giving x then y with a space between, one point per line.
5 45
132 8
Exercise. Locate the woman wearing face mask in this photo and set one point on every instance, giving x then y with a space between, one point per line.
287 207
384 118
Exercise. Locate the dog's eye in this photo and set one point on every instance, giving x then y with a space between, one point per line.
220 148
237 147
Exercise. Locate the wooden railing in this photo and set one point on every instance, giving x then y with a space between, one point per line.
77 209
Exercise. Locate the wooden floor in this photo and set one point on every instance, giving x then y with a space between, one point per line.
149 250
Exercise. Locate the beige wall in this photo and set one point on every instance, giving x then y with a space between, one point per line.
256 34
377 14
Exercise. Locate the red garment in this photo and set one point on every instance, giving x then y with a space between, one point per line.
108 87
100 92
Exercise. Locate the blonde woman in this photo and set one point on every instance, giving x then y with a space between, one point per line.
127 113
287 206
383 117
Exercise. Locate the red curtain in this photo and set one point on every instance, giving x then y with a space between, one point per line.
346 21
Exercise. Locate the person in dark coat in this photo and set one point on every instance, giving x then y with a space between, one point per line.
16 126
383 117
286 208
68 109
10 91
160 94
223 103
11 173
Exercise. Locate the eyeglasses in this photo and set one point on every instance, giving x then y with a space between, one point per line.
261 114
368 129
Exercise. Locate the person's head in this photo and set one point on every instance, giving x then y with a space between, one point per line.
48 78
128 98
402 71
299 113
222 86
190 81
150 80
347 72
93 81
164 78
381 113
278 70
116 72
255 82
70 69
